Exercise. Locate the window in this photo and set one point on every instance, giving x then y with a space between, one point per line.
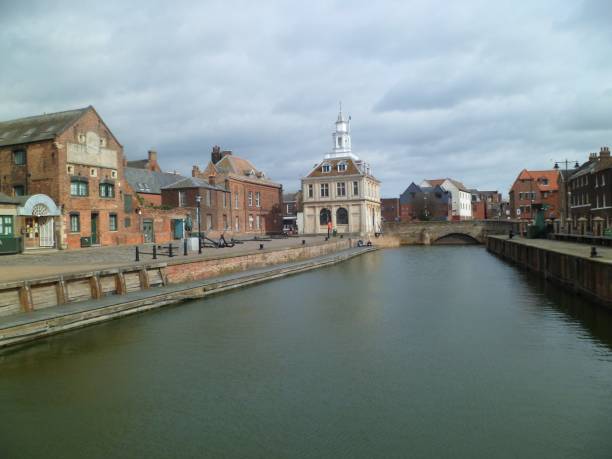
257 224
224 200
208 198
127 222
236 200
341 167
341 189
326 168
237 223
250 222
112 222
6 225
93 172
19 190
182 198
324 190
225 222
19 157
342 216
324 216
209 222
107 190
258 199
311 190
75 223
250 198
127 203
79 188
356 188
113 174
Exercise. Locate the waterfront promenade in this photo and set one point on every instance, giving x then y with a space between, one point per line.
47 263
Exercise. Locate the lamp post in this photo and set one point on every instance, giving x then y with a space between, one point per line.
568 193
198 200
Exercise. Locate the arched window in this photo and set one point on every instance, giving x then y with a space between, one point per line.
342 216
324 216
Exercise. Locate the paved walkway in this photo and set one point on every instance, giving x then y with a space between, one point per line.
40 264
570 248
89 305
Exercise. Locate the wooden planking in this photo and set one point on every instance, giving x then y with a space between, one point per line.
108 284
155 277
79 290
44 296
132 281
9 302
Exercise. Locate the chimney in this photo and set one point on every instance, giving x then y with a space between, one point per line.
152 155
195 171
604 152
225 153
592 156
215 156
211 179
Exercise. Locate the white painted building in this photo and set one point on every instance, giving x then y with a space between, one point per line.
341 189
461 198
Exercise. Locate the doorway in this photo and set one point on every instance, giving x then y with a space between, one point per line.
95 236
147 230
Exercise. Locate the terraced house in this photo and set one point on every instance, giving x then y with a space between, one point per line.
66 170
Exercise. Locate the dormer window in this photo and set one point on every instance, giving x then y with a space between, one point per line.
341 167
326 168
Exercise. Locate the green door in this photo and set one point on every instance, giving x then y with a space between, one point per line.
95 237
147 229
177 228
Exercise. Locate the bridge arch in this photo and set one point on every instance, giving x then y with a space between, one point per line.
456 239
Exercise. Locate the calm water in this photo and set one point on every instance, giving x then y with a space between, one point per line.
417 352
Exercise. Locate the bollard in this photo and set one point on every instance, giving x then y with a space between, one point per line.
260 246
185 247
155 252
303 241
137 254
593 252
170 250
510 234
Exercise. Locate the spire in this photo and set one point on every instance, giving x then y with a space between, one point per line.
342 137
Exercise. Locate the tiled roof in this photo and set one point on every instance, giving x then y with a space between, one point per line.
36 128
192 182
351 168
242 169
145 181
551 177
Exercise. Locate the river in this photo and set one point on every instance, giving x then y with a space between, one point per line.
420 352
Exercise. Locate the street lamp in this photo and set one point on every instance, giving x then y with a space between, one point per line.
198 200
568 194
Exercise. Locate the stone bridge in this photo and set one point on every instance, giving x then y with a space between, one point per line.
429 233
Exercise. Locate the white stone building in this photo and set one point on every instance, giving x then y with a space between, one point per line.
461 197
342 189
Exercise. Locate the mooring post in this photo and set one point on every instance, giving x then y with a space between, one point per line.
170 250
137 254
260 246
185 247
155 252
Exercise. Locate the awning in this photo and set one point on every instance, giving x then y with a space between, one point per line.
39 205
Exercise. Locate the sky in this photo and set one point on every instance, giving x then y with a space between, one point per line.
473 90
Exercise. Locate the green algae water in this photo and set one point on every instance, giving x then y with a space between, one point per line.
439 352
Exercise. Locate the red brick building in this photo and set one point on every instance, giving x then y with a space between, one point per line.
255 200
70 167
390 209
535 187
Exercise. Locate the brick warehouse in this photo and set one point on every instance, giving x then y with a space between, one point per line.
69 169
255 200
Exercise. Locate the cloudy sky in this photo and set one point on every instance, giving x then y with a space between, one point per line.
474 90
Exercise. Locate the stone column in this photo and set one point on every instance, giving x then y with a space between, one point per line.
598 226
569 224
582 221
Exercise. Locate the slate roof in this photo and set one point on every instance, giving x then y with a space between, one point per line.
193 182
457 183
290 197
138 163
148 182
39 127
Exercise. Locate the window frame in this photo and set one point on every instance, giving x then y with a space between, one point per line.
4 225
113 218
19 153
104 188
82 188
77 217
324 190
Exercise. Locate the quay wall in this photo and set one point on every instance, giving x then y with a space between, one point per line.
47 292
586 276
